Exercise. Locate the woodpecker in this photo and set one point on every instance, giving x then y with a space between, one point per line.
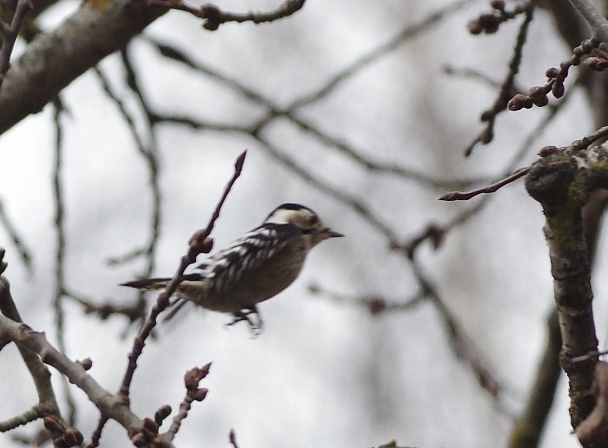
253 268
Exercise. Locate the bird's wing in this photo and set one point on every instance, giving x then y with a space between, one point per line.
247 253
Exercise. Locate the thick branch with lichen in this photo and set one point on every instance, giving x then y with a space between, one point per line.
54 60
562 183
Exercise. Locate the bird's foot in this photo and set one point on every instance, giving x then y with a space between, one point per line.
250 315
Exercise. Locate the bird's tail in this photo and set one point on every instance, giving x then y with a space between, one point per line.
148 284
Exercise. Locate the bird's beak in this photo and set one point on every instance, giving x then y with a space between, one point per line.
331 234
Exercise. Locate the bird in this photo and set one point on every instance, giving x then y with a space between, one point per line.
254 268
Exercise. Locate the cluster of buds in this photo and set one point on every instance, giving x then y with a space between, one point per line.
537 96
599 62
191 380
64 436
489 23
148 436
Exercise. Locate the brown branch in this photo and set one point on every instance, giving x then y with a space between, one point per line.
375 304
569 24
464 196
593 17
562 183
214 17
52 61
47 403
537 96
36 342
528 429
199 243
576 145
507 87
9 36
96 436
16 239
193 393
232 439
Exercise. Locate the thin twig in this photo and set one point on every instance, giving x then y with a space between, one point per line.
375 304
193 393
149 153
96 436
199 243
232 439
464 196
60 252
464 347
17 240
507 87
214 17
367 59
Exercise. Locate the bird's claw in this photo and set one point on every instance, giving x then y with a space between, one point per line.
247 314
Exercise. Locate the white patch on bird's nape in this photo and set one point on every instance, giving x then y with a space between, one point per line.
288 214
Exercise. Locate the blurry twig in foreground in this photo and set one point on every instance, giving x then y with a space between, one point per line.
60 252
199 243
375 304
214 16
507 88
17 241
148 150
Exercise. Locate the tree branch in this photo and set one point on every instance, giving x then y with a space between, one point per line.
562 183
199 243
36 342
593 17
214 17
47 403
53 61
10 33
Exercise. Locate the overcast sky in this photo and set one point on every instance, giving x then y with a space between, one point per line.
324 372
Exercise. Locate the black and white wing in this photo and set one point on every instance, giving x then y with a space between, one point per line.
246 254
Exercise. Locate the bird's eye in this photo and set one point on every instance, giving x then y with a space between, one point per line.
312 220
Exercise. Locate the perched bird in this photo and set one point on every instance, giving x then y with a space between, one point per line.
254 268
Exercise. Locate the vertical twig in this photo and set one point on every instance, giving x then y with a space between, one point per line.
199 243
17 240
59 293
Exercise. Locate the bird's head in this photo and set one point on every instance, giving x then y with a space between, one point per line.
303 218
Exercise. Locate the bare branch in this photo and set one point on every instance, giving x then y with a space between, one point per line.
367 59
507 87
375 304
537 96
36 342
232 439
562 183
214 17
9 35
594 18
199 243
193 393
47 403
53 61
464 196
16 239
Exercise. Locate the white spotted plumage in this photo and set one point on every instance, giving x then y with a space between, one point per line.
253 268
